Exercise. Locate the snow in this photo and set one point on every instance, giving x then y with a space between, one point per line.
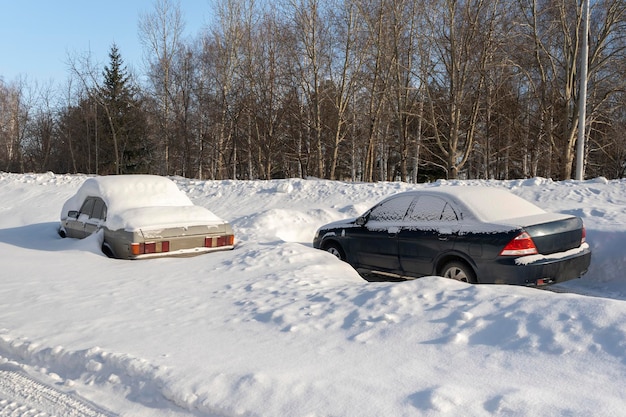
122 192
161 217
277 328
503 205
138 201
529 259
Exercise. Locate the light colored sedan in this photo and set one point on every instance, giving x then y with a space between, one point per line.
143 216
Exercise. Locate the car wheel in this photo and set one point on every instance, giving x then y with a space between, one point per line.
62 233
459 271
335 249
106 249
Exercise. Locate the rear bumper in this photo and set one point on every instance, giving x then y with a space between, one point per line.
536 270
181 253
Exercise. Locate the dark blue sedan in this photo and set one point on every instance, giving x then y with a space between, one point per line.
467 233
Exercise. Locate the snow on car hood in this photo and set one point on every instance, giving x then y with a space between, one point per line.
161 217
351 222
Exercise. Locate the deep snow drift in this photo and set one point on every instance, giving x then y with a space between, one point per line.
277 328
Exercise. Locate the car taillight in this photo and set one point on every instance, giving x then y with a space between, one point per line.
136 248
584 238
521 244
149 247
215 242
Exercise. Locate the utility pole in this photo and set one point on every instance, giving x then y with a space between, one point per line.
582 106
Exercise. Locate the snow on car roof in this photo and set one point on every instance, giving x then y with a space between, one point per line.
488 204
135 201
122 192
494 204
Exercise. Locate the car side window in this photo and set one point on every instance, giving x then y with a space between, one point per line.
99 210
431 209
86 208
93 208
392 210
449 215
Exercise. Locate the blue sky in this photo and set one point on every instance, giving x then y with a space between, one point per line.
37 36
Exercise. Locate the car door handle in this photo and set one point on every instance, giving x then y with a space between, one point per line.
393 231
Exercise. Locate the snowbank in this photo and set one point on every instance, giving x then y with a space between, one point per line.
277 328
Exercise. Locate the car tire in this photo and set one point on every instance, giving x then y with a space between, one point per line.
459 271
106 249
334 249
62 233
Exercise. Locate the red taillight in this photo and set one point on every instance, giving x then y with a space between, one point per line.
521 244
584 238
214 242
149 247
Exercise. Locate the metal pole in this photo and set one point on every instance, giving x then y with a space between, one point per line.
582 107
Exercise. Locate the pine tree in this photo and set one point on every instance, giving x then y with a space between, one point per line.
124 123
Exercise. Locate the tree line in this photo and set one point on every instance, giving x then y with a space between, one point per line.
362 90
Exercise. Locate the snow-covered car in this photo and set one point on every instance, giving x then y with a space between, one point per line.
143 216
469 233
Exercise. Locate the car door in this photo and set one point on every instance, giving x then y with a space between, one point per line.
430 228
375 243
96 216
75 222
87 220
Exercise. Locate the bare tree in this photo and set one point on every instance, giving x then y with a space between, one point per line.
41 130
463 39
406 29
556 31
376 80
346 68
222 60
160 33
15 109
312 43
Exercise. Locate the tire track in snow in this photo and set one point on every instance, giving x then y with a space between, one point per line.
23 396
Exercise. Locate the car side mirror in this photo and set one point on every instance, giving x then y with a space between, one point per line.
73 214
360 221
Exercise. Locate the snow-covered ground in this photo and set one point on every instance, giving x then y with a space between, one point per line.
277 328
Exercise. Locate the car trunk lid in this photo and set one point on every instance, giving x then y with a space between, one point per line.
181 231
551 232
557 235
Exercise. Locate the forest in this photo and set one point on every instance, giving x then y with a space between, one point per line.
354 90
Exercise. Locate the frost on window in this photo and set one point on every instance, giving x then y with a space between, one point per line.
432 209
392 210
449 215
